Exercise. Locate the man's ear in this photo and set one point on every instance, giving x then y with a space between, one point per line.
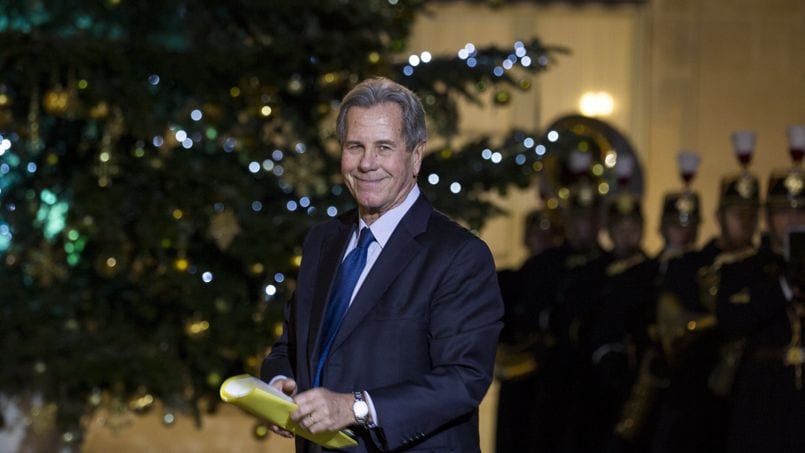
416 156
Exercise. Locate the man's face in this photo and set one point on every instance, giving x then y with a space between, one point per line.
679 237
376 166
738 225
626 236
537 240
581 228
783 219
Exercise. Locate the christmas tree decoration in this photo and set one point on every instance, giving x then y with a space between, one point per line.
304 174
60 102
502 97
45 266
223 229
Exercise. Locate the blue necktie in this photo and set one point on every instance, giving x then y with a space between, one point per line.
345 280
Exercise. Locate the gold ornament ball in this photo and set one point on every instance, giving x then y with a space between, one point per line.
59 102
502 97
99 111
56 101
196 328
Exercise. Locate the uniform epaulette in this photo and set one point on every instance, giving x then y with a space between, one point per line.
668 256
578 260
621 266
710 276
733 257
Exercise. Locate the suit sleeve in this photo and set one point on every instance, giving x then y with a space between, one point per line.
279 360
465 320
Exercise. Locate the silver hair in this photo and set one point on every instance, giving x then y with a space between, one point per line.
379 90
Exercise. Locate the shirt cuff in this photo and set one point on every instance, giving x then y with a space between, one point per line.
374 420
276 378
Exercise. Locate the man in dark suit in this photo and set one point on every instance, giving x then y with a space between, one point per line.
393 328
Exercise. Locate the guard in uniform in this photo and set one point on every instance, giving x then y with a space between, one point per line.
521 341
679 223
620 316
679 228
558 284
695 408
760 304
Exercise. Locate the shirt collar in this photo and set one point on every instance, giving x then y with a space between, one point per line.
386 223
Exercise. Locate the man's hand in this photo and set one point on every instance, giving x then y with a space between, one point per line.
321 410
288 387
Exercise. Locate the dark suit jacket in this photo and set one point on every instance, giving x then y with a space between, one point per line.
420 335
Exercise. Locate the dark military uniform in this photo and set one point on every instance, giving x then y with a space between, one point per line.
695 407
572 324
521 344
557 285
756 306
617 328
619 337
548 287
638 417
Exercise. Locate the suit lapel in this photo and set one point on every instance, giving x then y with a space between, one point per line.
331 254
399 250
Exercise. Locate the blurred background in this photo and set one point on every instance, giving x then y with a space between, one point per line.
160 163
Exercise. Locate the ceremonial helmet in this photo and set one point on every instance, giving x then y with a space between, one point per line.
742 188
624 204
683 207
786 187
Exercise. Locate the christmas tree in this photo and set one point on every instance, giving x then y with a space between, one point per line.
160 163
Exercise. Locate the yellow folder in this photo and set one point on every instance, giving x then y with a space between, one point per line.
262 400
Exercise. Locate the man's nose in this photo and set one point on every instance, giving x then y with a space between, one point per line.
368 160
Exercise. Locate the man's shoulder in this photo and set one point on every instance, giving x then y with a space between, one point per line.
326 228
444 229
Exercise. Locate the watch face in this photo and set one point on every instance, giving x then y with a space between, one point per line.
360 408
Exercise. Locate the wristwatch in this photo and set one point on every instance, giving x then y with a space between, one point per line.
360 410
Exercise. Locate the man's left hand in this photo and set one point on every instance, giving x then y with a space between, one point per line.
321 410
